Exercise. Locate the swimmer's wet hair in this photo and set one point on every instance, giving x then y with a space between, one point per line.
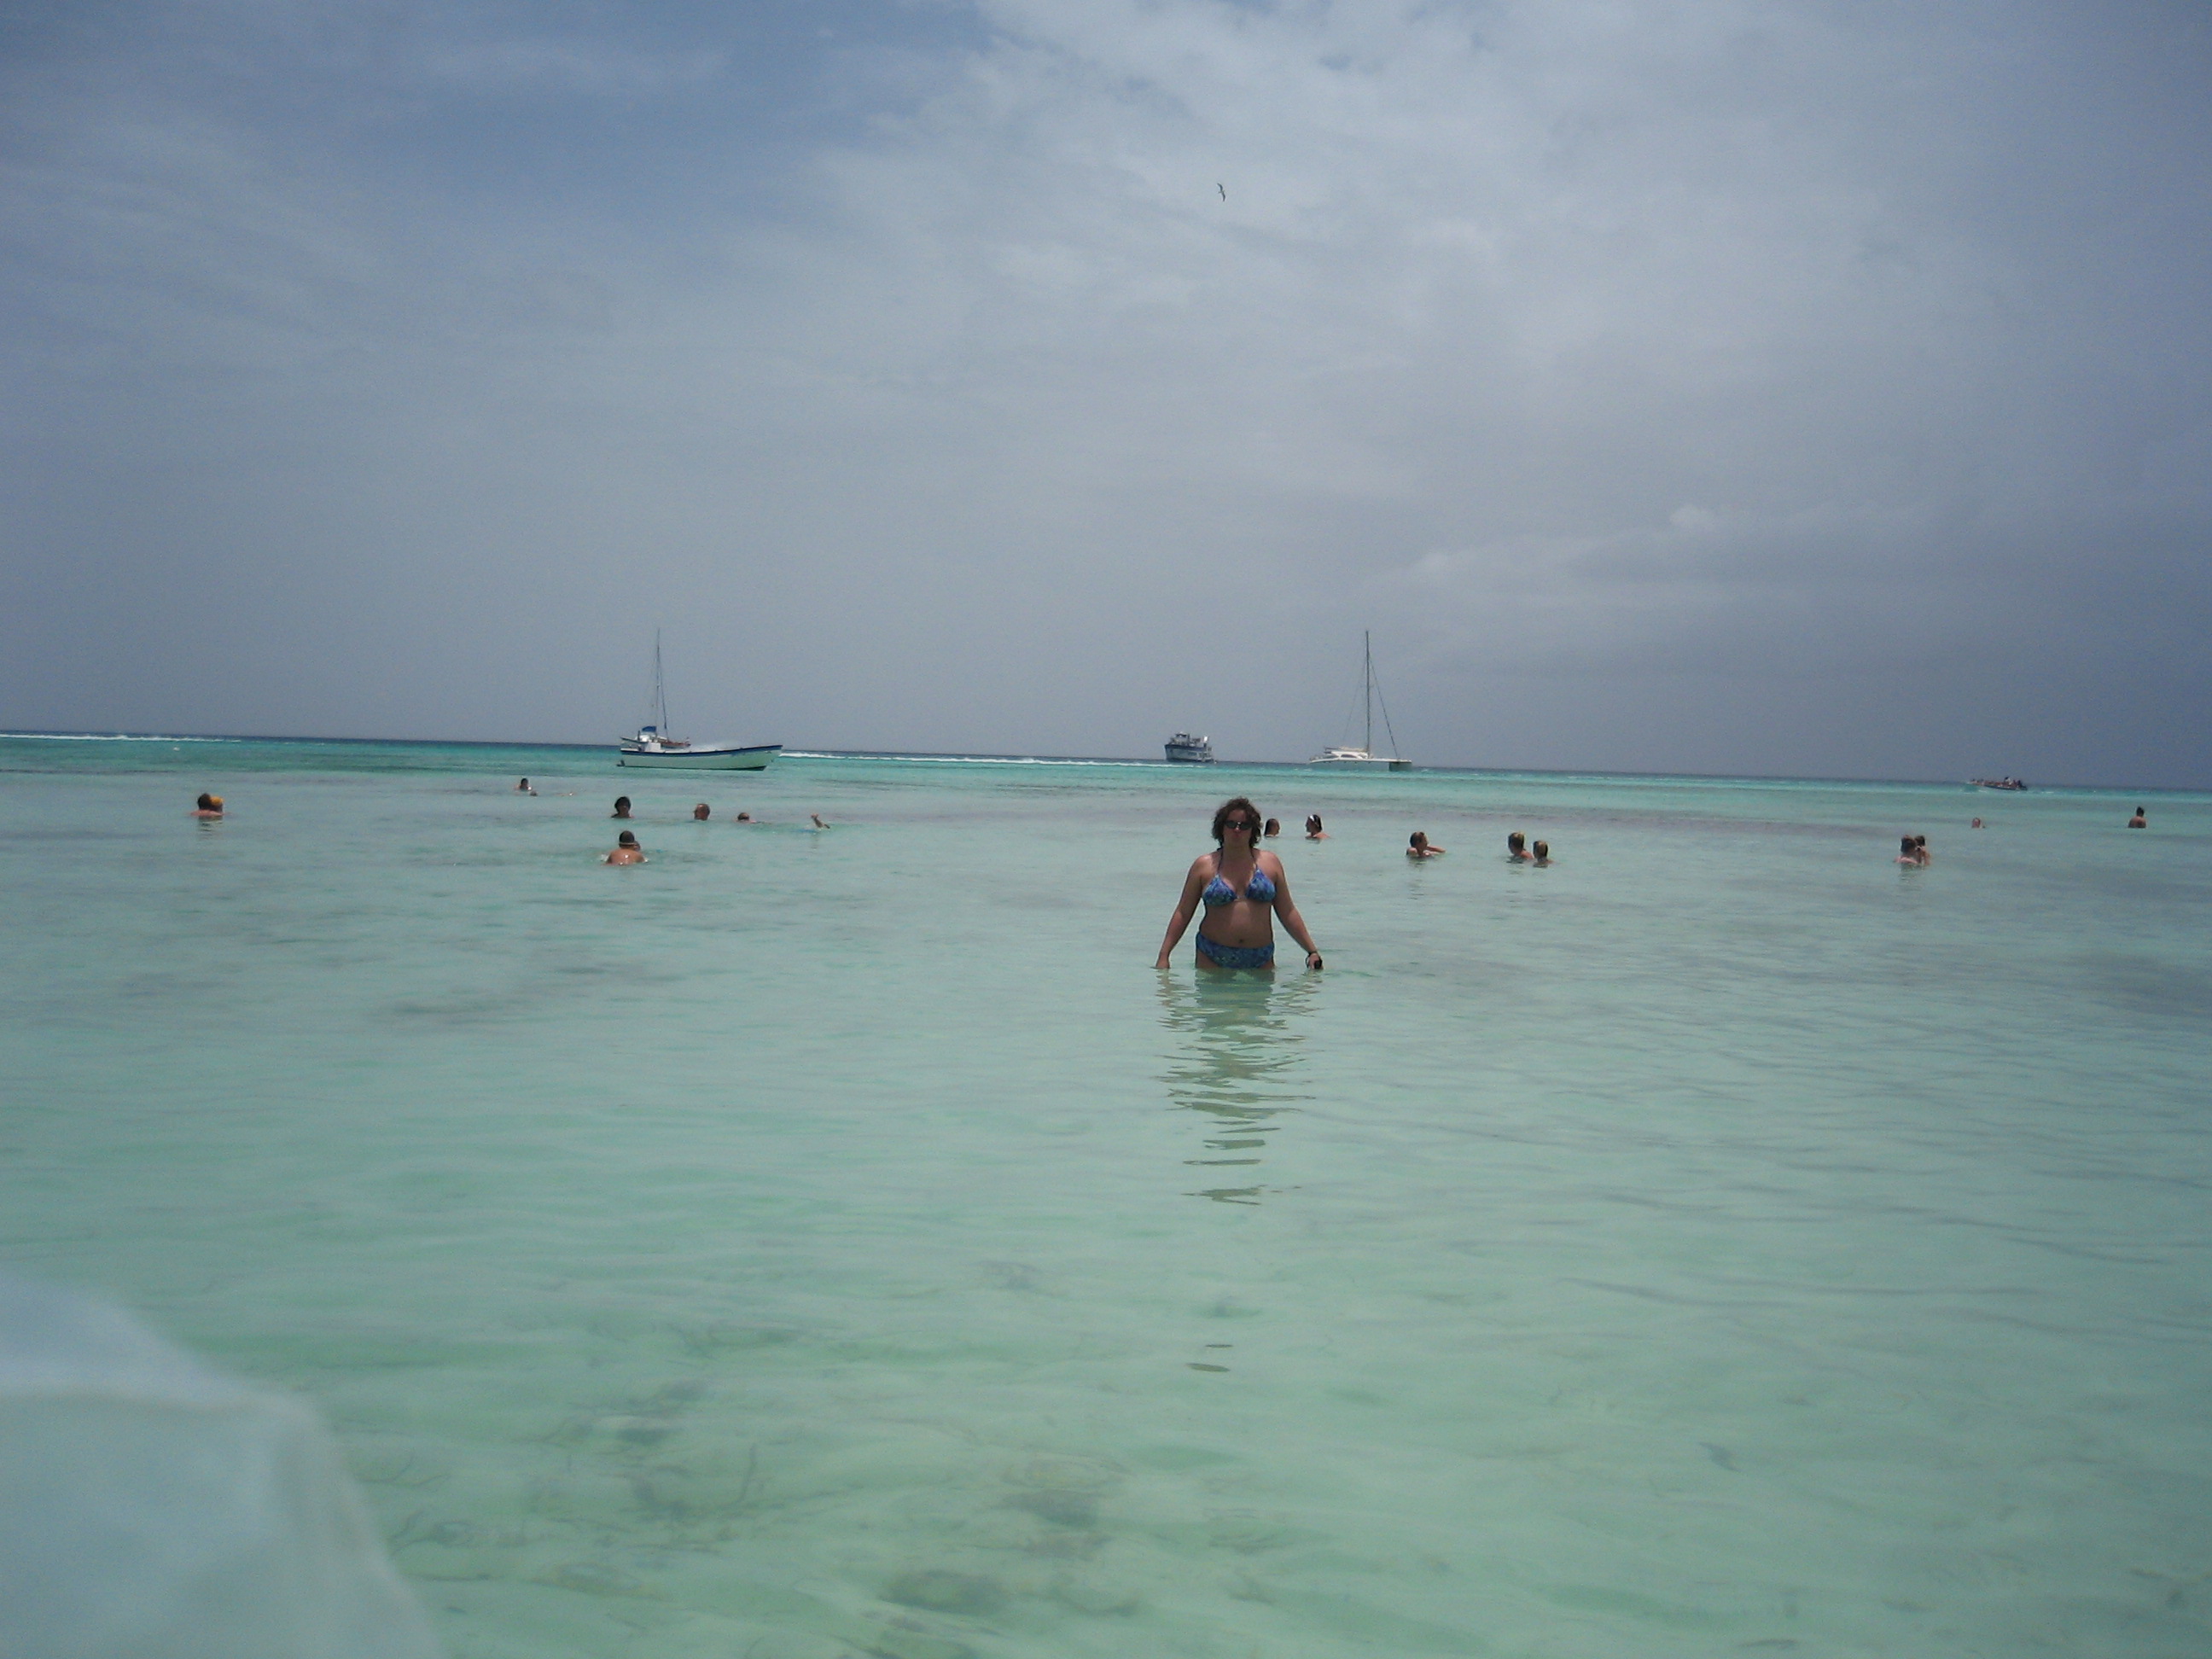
1237 804
627 838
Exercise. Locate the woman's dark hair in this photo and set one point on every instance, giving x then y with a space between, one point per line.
1515 841
1904 843
1237 804
627 838
207 803
1543 849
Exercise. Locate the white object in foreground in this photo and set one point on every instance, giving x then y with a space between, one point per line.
150 1505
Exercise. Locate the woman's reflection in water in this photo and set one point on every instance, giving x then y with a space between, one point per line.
1237 1059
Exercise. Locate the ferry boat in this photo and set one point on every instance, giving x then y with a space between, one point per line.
1195 752
2008 783
652 746
1364 756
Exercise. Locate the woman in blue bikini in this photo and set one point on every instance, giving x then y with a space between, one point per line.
1239 886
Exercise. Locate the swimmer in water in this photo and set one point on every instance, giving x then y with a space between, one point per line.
522 788
1977 823
1543 852
210 806
1920 849
745 818
1314 831
1517 848
2140 821
816 817
699 812
1907 851
621 806
626 851
1242 890
1274 828
1417 846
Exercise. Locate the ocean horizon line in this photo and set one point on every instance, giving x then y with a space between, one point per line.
981 757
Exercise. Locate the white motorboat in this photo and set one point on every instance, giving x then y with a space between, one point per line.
1195 751
652 746
1364 756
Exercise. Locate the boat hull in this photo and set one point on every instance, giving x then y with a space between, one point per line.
1362 762
706 758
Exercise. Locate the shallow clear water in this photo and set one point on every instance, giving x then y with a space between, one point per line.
814 1244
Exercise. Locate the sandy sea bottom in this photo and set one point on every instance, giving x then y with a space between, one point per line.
813 1245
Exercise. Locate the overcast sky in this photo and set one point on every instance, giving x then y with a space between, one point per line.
1791 387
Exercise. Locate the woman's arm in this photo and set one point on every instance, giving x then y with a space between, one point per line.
1186 907
1293 923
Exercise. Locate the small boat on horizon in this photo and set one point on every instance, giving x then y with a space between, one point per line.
2013 784
652 747
1365 756
1191 752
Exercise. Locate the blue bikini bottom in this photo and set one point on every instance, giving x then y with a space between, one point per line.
1236 956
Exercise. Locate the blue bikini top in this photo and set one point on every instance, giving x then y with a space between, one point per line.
1260 890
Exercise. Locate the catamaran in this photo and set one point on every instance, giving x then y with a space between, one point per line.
653 746
1365 756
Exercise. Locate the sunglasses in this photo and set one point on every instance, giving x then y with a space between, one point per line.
1238 823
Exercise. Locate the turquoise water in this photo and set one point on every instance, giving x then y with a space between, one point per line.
817 1244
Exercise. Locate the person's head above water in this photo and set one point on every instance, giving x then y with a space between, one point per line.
1516 845
621 806
207 803
1542 849
1418 838
627 838
1246 816
1274 827
700 811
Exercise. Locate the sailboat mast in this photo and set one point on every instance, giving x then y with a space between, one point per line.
660 690
1367 647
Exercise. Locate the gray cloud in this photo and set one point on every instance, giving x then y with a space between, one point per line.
1717 387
